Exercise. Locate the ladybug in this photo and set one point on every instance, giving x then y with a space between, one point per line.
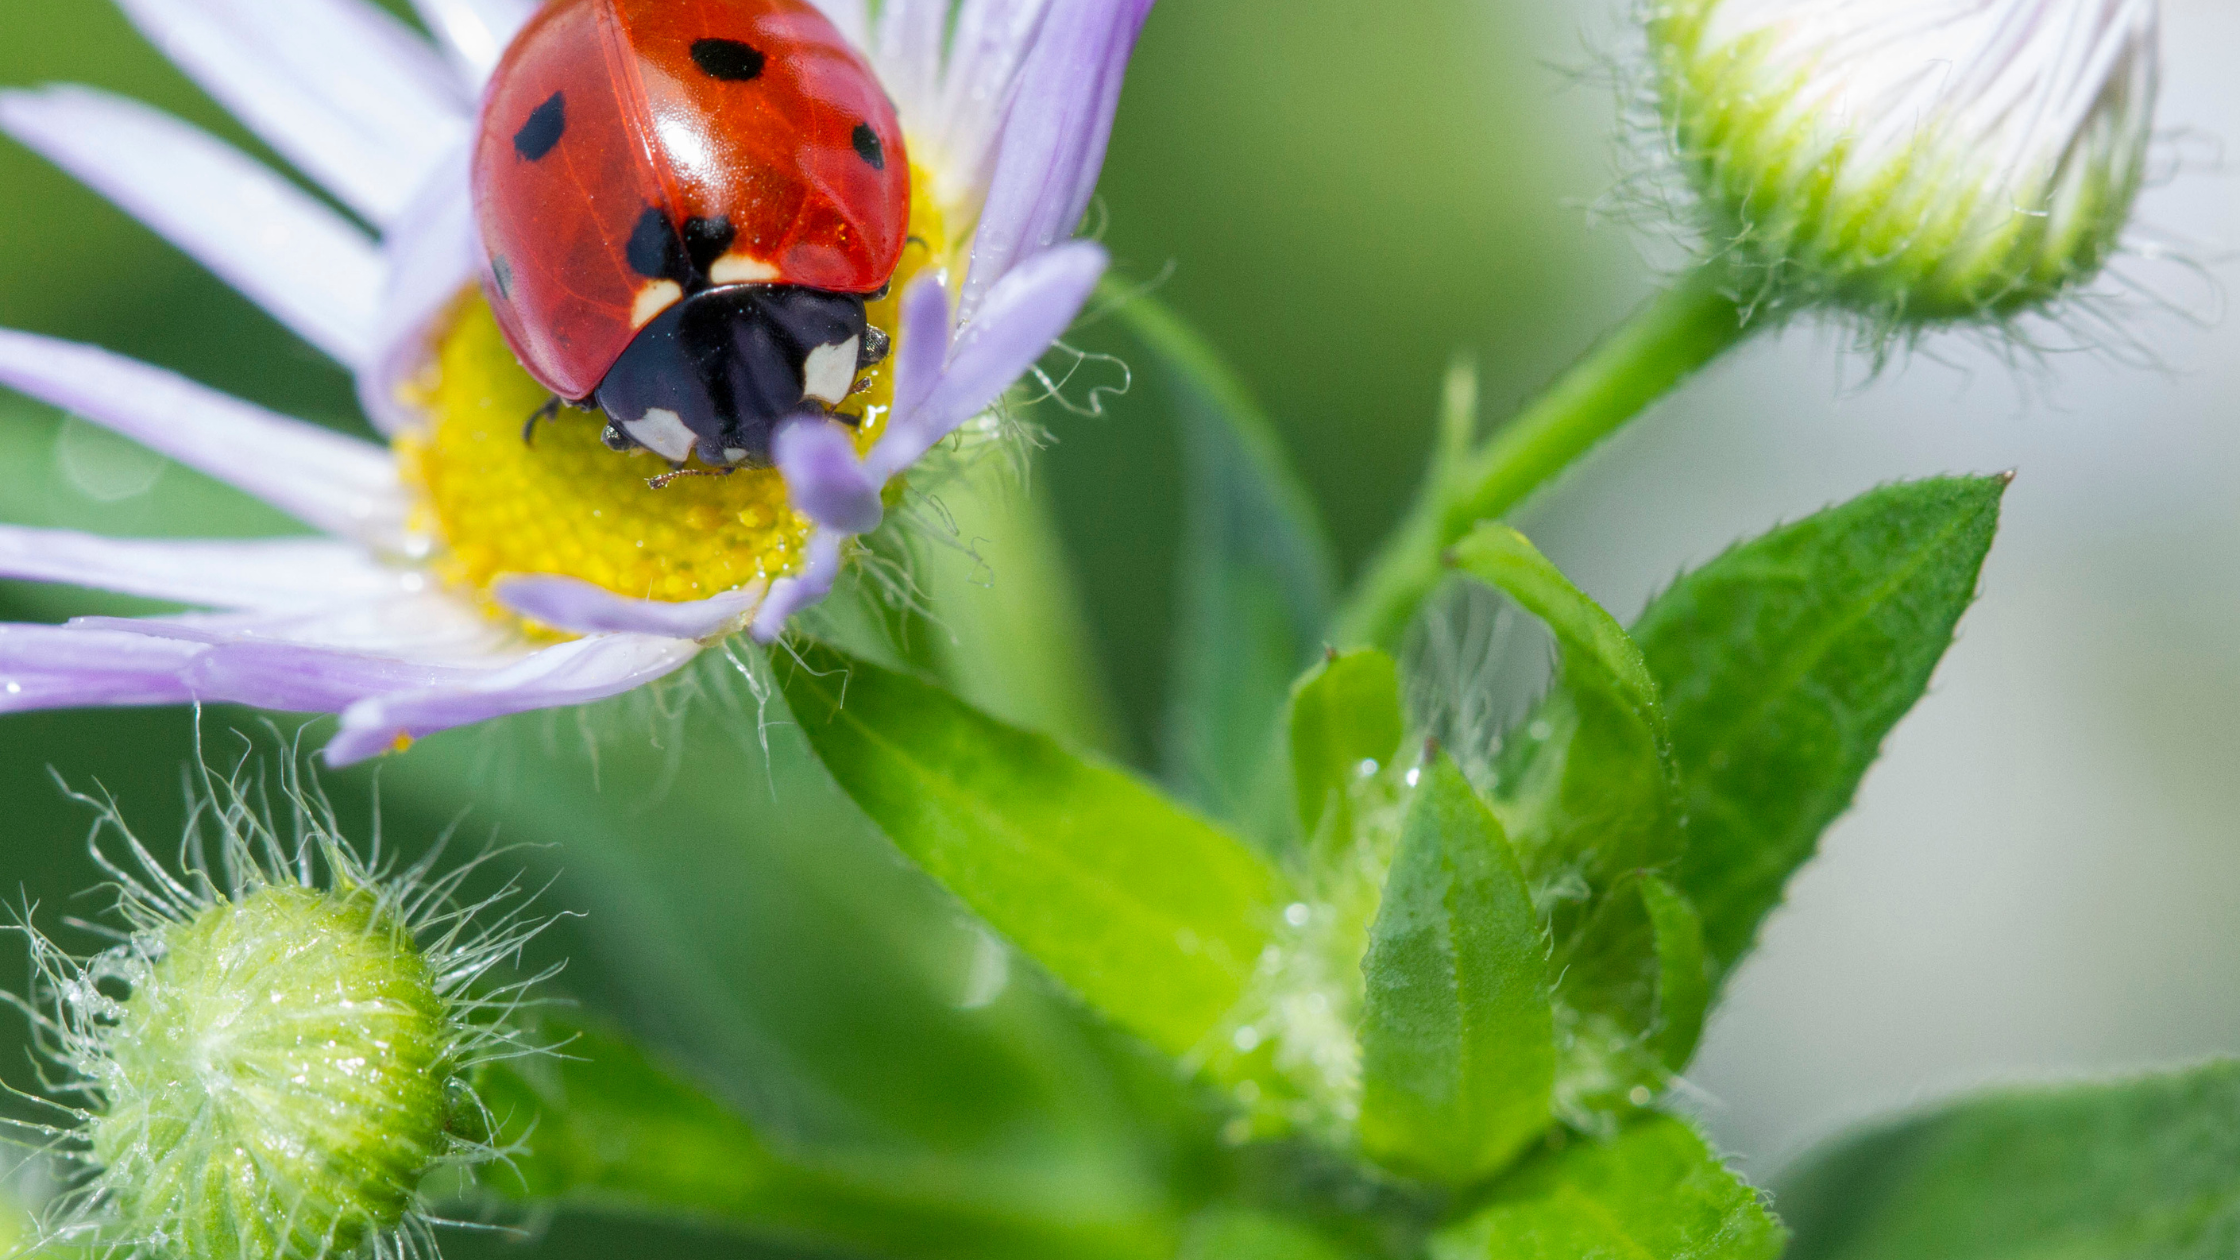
684 205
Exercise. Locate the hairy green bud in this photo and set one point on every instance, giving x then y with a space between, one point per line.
277 1053
1920 161
276 1082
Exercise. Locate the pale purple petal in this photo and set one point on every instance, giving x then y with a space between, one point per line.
571 604
349 94
432 254
262 574
576 672
824 479
299 679
851 17
1023 315
336 483
789 595
986 51
475 32
909 56
922 348
430 628
261 234
63 667
1054 138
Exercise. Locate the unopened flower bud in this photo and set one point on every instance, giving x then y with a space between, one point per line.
1916 160
268 1066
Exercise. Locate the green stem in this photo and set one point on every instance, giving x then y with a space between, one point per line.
1664 343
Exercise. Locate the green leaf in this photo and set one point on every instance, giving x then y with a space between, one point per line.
1146 911
1683 972
2144 1169
1008 631
1257 575
1344 712
750 922
1784 664
758 924
1457 1039
602 1126
1590 779
1655 1192
1240 1234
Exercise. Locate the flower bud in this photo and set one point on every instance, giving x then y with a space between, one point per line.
269 1066
1920 161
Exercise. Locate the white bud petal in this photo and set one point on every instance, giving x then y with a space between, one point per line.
1921 160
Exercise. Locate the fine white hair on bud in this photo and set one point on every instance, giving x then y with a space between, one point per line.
277 1049
1919 161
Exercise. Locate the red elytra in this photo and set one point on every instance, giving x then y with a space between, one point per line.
755 116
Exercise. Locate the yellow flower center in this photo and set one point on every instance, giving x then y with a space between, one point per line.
564 504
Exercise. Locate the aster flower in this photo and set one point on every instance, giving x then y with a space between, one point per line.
462 574
1918 160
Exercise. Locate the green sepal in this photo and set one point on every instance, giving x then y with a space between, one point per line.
1785 663
1146 911
1683 972
1345 712
1457 1037
1588 781
2145 1169
1589 788
1653 1192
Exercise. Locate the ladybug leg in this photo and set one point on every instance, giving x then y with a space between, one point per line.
662 482
817 406
550 409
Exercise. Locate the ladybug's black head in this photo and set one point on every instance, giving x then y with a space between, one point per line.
717 371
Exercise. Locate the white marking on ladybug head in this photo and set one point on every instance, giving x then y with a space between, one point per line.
733 454
663 433
831 370
656 297
741 269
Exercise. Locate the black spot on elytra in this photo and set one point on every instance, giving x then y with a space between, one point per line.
501 270
546 124
727 59
655 252
868 147
705 240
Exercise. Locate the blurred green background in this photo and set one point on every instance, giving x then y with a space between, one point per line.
1342 196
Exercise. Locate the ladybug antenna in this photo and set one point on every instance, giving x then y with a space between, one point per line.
550 409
